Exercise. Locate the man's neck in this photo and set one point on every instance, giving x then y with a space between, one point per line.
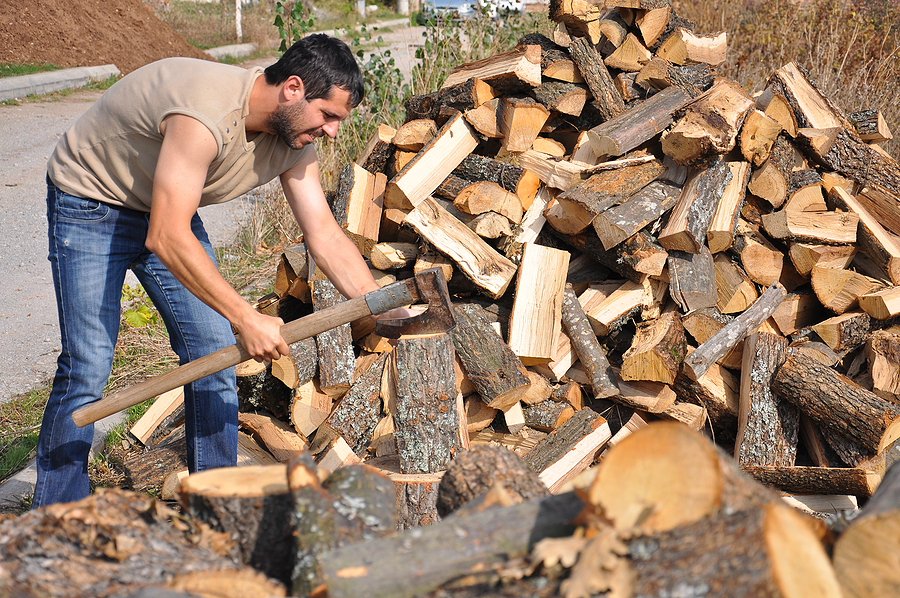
263 101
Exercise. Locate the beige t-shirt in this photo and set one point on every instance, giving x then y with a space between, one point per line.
110 153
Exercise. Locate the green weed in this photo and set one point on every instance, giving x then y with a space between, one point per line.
16 70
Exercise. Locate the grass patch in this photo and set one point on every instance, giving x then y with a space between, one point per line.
17 70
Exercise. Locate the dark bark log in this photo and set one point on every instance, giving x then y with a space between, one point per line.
336 357
692 279
586 345
570 449
359 411
597 78
816 480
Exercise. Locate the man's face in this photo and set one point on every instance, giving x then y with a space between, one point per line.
299 122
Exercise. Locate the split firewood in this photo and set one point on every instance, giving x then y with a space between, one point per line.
414 134
586 345
299 366
718 390
358 202
696 364
359 411
806 256
511 177
496 372
836 403
393 256
873 239
771 179
659 74
690 414
816 480
827 228
484 119
335 455
352 505
775 106
414 564
882 204
310 407
622 221
521 120
883 356
579 17
292 273
597 78
721 232
564 357
335 346
685 47
692 279
758 136
548 415
604 189
656 351
627 88
631 55
553 173
475 258
761 260
693 139
562 97
375 155
535 321
644 395
422 175
657 24
570 449
805 192
614 28
277 437
566 216
548 146
607 310
871 126
863 552
734 289
514 418
257 389
511 72
798 311
689 221
485 196
768 426
461 97
166 409
845 331
882 304
839 290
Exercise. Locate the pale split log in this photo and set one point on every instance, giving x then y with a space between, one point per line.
768 426
837 403
484 119
692 279
562 97
586 346
692 139
690 414
359 411
579 17
882 304
482 264
337 454
660 74
805 192
559 175
413 564
718 390
656 351
607 309
570 449
520 120
644 395
827 228
874 240
562 70
535 320
274 435
439 104
431 165
845 331
775 106
597 77
630 56
414 134
548 415
883 204
696 364
772 551
564 357
770 180
548 146
810 106
720 234
689 222
496 372
566 216
310 407
883 355
300 366
519 444
486 196
806 256
685 47
514 418
622 221
393 256
685 478
335 346
701 324
758 135
374 156
839 290
658 23
509 72
160 411
529 228
761 260
816 480
822 505
614 29
734 290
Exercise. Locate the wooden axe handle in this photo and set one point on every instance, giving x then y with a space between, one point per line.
342 313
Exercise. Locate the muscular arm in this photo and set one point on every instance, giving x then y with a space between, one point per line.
188 149
331 249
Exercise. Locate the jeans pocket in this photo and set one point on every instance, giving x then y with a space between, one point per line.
69 207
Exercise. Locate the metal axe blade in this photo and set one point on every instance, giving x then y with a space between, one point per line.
431 288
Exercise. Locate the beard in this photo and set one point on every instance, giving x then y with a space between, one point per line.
281 123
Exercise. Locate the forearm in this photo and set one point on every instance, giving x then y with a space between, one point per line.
341 262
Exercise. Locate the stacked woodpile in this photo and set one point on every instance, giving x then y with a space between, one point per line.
628 238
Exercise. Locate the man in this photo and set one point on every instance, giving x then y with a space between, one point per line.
124 185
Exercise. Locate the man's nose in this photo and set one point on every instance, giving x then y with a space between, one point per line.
331 129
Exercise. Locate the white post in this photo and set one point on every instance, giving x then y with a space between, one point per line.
403 7
361 8
237 20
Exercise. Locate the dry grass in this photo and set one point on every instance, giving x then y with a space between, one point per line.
850 48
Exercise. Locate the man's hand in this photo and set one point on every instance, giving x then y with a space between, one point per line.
261 336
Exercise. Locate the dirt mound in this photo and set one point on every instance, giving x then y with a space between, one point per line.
86 33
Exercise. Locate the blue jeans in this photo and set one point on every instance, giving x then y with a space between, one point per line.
92 245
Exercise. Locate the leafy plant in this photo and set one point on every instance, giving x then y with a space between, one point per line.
293 20
137 310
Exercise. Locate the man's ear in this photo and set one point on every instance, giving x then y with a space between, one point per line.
293 88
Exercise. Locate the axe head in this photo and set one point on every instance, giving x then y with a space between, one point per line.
428 286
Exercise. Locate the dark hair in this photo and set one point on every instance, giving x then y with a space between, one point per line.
321 62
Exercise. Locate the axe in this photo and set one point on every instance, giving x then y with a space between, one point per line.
427 286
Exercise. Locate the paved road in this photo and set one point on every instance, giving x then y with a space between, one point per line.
29 332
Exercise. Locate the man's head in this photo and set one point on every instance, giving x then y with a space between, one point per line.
321 62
